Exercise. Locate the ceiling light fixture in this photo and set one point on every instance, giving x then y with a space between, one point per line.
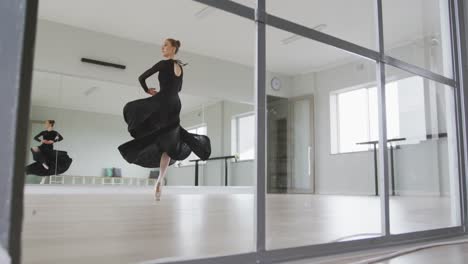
296 37
103 63
90 90
204 12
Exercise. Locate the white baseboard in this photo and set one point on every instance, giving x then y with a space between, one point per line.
419 193
117 189
402 193
346 193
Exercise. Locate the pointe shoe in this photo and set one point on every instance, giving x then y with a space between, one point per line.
157 191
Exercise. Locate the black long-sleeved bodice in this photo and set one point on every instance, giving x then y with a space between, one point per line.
154 122
168 81
57 162
48 135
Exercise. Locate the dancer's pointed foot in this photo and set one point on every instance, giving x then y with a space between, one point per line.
157 191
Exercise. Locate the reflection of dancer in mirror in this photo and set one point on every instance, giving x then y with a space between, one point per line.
154 122
49 137
48 160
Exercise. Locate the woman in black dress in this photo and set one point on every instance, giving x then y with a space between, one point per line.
154 122
47 160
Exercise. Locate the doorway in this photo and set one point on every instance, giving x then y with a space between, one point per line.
290 138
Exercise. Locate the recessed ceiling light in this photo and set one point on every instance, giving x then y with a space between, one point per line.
296 37
290 39
91 90
204 12
320 27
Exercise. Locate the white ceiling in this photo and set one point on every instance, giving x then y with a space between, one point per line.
69 92
223 36
231 38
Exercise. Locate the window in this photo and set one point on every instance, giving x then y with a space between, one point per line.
200 130
243 136
354 113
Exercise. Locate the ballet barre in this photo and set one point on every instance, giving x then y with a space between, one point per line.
374 144
226 158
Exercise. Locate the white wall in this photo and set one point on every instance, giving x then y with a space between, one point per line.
421 169
339 174
59 48
91 140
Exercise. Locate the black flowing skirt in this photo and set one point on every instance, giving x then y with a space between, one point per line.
58 162
154 124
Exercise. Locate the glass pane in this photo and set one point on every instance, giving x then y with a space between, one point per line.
313 118
351 20
418 32
45 133
246 137
105 201
353 119
392 112
423 159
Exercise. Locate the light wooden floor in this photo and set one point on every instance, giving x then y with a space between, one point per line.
66 224
453 254
457 254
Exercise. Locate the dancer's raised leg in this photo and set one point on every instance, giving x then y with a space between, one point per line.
163 165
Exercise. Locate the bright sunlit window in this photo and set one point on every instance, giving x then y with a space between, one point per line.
243 136
354 114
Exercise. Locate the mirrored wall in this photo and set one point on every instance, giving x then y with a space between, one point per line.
88 115
82 198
